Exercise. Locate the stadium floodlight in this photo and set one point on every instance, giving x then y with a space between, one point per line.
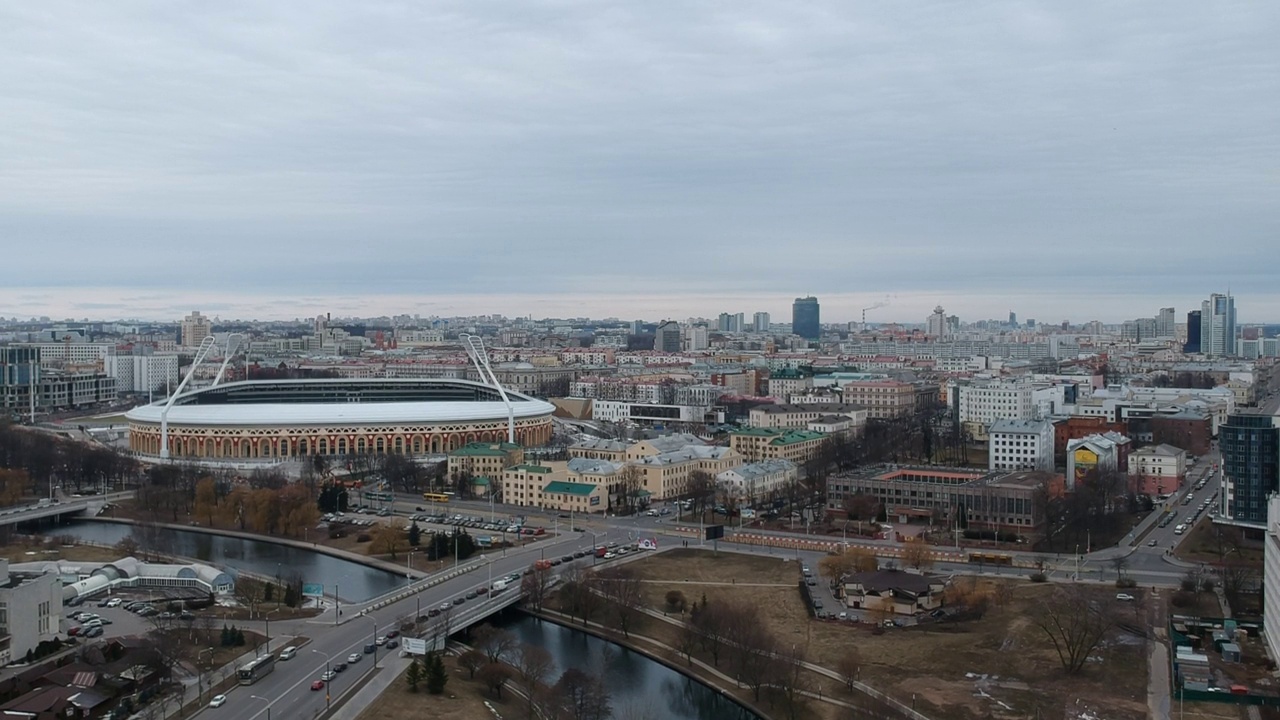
229 353
474 345
207 344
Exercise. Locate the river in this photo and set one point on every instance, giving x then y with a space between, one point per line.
640 687
356 582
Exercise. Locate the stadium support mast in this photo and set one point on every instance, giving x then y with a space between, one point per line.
228 354
480 358
206 345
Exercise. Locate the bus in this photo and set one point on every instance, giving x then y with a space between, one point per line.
437 497
990 558
254 670
379 496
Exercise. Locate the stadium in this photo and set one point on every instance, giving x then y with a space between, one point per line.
282 419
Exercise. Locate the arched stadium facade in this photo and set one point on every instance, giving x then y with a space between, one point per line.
282 419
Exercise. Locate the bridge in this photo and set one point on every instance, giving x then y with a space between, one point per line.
28 513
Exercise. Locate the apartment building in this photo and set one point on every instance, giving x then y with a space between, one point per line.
667 475
522 484
883 399
1021 445
599 449
754 482
195 328
30 611
799 416
143 373
484 459
759 444
1157 469
980 403
786 382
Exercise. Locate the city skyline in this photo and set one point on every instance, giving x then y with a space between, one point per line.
836 309
646 161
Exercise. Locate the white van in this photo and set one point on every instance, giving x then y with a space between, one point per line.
1180 529
288 653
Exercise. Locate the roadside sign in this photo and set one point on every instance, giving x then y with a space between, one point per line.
312 590
415 646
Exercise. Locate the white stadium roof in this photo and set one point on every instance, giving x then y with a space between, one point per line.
363 413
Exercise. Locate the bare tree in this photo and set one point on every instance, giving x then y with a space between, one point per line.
494 676
579 590
1073 625
583 696
791 679
534 665
496 644
917 555
625 592
849 666
1119 563
535 586
471 661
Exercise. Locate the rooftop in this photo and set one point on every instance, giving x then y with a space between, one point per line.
563 487
482 449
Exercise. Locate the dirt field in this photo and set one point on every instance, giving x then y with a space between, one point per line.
463 699
1205 543
1001 665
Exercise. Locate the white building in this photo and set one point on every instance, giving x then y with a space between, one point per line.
73 353
760 322
696 338
1021 445
983 402
1157 469
757 480
1271 578
1089 454
936 324
143 373
30 611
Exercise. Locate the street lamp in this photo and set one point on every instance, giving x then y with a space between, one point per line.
375 642
267 619
201 677
268 702
328 676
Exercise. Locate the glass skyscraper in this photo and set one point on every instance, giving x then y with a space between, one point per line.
804 318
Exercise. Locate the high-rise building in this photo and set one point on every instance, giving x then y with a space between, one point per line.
695 338
1193 332
760 322
667 338
1218 326
1013 319
1165 325
195 328
805 318
1250 445
936 324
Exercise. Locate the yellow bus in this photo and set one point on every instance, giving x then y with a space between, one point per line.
437 497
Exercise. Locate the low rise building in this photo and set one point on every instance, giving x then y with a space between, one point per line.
484 459
895 592
753 482
757 444
566 496
1157 469
1095 455
885 399
990 500
668 475
1191 431
599 449
799 416
522 484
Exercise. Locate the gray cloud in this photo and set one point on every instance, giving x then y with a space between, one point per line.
973 153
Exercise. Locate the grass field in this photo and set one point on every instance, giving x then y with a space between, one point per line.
463 699
1001 665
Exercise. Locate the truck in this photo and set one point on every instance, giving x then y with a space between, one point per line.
498 586
600 551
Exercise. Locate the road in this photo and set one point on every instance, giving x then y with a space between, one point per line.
286 692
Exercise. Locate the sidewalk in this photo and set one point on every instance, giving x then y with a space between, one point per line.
195 694
350 705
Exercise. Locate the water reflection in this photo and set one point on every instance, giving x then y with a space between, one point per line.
634 680
355 582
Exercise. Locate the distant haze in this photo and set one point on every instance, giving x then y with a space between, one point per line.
1079 161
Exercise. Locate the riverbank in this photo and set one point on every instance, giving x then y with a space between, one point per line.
698 672
376 563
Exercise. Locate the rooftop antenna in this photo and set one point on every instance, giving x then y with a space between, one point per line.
474 345
207 344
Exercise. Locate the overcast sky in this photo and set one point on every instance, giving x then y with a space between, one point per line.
640 159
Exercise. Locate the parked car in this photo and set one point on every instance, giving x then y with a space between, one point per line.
1125 597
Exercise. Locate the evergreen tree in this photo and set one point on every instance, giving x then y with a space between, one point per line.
415 535
227 638
268 593
414 675
437 676
239 637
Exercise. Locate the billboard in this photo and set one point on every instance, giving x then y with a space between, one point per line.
714 532
415 646
312 590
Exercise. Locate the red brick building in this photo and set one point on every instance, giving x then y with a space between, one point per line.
1185 430
1074 428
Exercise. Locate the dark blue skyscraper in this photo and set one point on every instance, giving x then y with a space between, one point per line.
1250 447
804 318
1193 332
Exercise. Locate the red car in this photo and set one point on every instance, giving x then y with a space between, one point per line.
317 685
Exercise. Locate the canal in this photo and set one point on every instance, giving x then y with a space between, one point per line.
355 582
638 686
